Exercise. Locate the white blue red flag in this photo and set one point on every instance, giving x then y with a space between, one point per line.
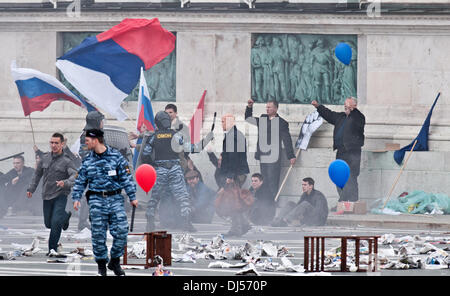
38 90
106 68
145 111
145 116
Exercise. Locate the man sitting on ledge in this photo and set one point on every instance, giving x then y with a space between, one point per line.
311 210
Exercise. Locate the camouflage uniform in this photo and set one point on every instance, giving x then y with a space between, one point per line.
108 172
93 120
159 150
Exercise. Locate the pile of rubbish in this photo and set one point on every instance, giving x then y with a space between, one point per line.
219 249
416 202
253 256
407 252
57 256
394 253
21 250
414 252
73 256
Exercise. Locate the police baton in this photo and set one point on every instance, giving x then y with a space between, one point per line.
12 156
132 218
214 121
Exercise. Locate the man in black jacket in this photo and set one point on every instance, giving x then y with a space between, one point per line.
311 209
234 152
234 167
14 192
263 210
268 149
348 138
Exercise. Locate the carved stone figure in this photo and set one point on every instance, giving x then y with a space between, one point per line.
299 68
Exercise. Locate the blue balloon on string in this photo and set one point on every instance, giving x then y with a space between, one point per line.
343 52
339 172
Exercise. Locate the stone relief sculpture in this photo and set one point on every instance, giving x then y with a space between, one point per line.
299 68
161 78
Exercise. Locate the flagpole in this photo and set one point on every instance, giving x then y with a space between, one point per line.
32 131
287 174
398 176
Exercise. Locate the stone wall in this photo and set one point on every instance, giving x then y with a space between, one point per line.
402 64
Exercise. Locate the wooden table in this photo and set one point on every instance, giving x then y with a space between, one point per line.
314 252
157 243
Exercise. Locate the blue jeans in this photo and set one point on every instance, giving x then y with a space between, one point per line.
54 217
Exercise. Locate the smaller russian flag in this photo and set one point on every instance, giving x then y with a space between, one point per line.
145 115
145 111
38 90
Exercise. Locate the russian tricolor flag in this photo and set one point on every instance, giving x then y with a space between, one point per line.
106 68
145 116
38 90
145 111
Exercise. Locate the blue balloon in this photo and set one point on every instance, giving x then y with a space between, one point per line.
343 52
339 172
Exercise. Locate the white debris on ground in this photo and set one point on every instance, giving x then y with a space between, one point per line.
22 250
75 255
254 256
396 253
411 252
406 252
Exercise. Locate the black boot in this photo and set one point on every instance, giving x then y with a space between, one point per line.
235 227
101 267
187 225
114 265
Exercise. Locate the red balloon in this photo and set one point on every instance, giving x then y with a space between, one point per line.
146 177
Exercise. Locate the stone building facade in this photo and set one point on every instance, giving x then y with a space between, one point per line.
402 63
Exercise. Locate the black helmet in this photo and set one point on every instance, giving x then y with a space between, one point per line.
93 120
162 120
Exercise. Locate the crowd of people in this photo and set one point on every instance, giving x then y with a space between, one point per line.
98 173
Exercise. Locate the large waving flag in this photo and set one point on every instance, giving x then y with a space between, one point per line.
38 90
422 137
106 68
196 123
145 116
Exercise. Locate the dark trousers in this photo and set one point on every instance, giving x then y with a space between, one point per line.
271 174
54 217
350 191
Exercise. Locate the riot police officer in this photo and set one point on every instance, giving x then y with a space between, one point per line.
161 149
106 172
94 120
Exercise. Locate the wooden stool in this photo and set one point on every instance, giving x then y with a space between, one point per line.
157 243
314 252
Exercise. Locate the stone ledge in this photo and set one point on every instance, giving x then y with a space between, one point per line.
403 221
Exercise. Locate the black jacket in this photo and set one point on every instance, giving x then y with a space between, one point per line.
234 154
18 189
283 134
218 174
319 214
353 133
263 195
